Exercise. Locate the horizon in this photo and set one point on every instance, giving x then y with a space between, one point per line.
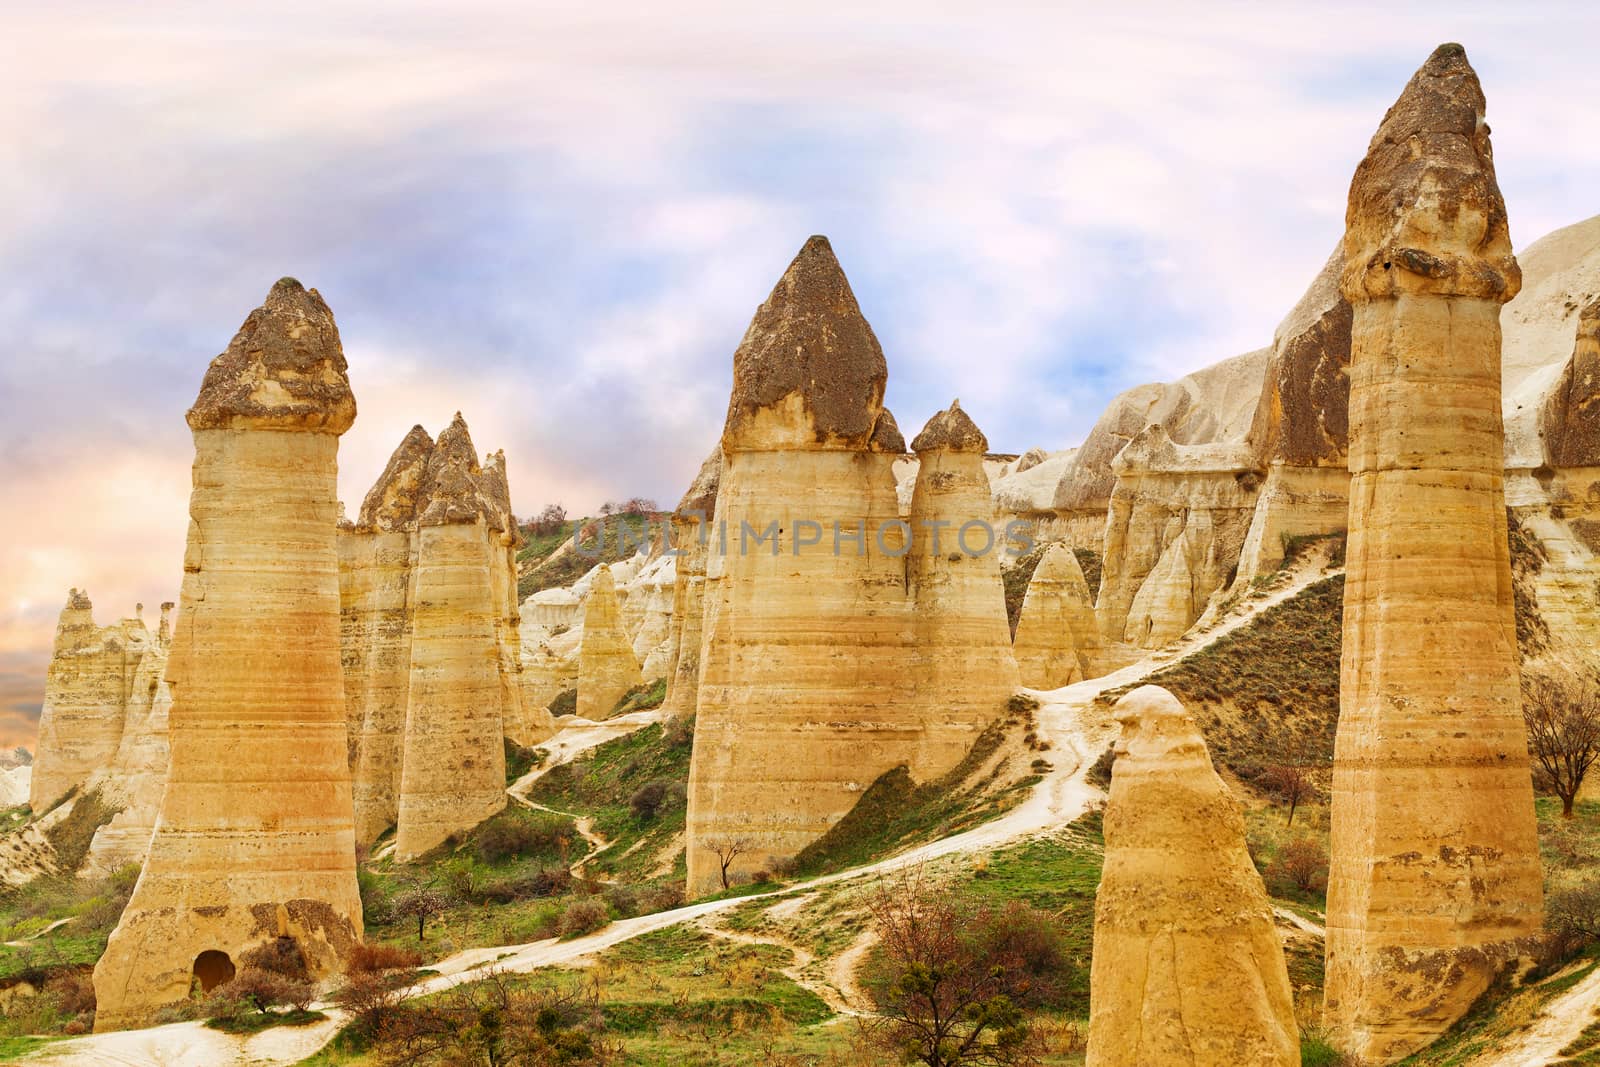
560 226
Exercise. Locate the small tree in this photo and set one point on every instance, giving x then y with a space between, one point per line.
951 983
425 904
726 850
550 519
608 508
500 1022
1301 864
1563 717
1290 783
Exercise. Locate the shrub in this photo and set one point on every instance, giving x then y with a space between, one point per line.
514 833
565 704
281 955
372 998
376 957
1100 771
1572 919
255 989
582 917
624 900
1301 865
679 731
648 800
1034 949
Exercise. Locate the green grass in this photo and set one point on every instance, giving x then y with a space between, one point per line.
1269 691
895 812
602 787
643 697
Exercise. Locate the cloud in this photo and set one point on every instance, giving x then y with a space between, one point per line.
559 221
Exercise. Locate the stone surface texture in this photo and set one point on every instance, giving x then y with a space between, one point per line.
255 839
1435 887
1188 967
1058 638
607 667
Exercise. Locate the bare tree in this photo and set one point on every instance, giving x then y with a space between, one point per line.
550 519
1563 716
1291 783
726 849
423 903
949 991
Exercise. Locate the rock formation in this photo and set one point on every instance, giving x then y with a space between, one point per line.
255 838
1179 516
85 703
1435 884
692 523
1188 967
808 652
606 665
963 637
1058 639
432 648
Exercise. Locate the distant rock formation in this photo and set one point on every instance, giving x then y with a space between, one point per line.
606 665
1178 519
255 838
1435 884
86 700
1188 967
692 524
810 631
1058 639
432 645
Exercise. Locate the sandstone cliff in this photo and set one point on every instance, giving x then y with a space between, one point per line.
1435 884
255 838
691 537
85 703
1188 967
432 641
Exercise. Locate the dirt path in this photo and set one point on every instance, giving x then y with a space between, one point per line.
584 824
37 934
1561 1020
1067 718
796 971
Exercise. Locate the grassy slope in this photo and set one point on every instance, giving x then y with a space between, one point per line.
602 785
604 543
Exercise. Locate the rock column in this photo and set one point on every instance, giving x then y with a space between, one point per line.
1058 638
607 667
1435 883
255 839
1188 967
82 721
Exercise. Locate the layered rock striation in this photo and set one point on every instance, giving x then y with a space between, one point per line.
1188 967
1435 885
255 839
432 646
811 643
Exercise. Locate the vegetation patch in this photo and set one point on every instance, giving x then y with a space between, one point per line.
1268 693
895 811
642 697
549 560
635 790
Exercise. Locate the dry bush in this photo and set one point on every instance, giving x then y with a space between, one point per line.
582 917
498 1021
377 957
1302 864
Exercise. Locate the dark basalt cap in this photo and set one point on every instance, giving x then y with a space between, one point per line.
886 436
808 340
453 478
392 502
1425 213
951 430
283 370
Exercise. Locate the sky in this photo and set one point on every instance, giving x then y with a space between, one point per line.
558 220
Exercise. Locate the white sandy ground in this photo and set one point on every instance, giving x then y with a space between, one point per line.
1066 718
1559 1021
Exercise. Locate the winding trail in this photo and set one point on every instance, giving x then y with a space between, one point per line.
1066 717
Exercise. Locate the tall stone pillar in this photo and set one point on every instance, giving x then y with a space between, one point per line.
255 839
607 668
1435 882
452 774
81 723
691 539
1058 640
964 658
